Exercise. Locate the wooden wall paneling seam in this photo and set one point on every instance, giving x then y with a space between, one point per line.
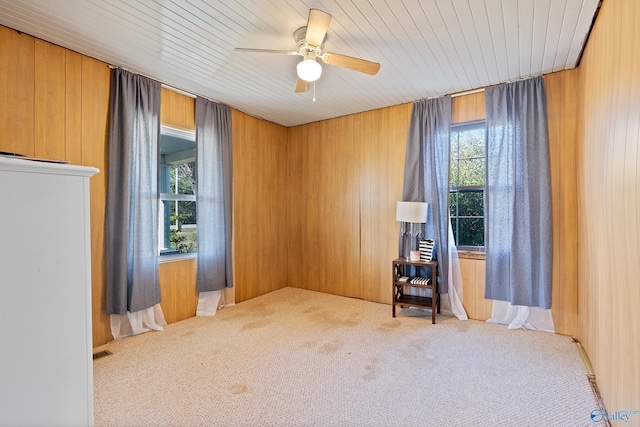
49 98
17 92
467 272
73 108
366 244
485 305
295 249
384 221
355 229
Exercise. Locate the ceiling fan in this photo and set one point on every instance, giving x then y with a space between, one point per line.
310 42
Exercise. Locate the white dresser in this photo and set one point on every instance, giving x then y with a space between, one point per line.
46 372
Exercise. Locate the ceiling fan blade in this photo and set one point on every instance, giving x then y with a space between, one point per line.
302 85
245 49
351 63
317 26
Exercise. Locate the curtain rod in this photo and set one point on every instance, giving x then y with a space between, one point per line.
468 92
180 91
166 86
472 91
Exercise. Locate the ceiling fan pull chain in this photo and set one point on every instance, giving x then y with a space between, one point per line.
314 91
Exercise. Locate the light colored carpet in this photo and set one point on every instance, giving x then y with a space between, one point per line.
300 358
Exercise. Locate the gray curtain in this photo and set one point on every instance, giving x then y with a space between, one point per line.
213 195
131 217
426 175
518 202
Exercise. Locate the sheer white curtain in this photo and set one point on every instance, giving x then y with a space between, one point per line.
148 319
426 179
131 216
521 316
518 206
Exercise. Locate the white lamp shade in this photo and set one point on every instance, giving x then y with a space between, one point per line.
415 212
309 70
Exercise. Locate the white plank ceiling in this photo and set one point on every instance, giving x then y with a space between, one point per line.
426 48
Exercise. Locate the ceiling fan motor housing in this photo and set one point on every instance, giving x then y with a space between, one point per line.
303 46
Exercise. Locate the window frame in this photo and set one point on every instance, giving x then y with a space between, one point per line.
164 254
473 125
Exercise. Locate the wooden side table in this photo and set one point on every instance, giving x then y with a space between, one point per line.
400 278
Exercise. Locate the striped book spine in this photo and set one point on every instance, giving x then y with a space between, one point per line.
426 249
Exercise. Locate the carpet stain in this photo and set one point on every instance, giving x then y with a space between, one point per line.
372 369
311 309
389 326
353 320
309 344
461 326
329 318
238 389
326 318
256 325
330 347
418 346
372 373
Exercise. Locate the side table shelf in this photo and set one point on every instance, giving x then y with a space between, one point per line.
401 279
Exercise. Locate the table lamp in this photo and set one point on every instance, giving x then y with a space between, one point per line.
411 216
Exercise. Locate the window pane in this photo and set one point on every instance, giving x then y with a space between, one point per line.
454 179
453 160
471 232
182 178
186 211
471 203
177 165
471 143
466 182
178 227
471 172
453 203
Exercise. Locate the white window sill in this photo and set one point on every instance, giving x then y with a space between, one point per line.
176 257
467 254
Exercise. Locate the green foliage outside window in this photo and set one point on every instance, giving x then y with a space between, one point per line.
466 184
184 242
186 177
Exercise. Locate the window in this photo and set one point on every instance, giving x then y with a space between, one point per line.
177 173
466 184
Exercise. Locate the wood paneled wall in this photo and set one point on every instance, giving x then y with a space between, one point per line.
177 110
178 289
54 104
561 89
609 204
260 220
468 108
345 176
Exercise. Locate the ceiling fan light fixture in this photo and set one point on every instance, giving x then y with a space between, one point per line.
309 70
